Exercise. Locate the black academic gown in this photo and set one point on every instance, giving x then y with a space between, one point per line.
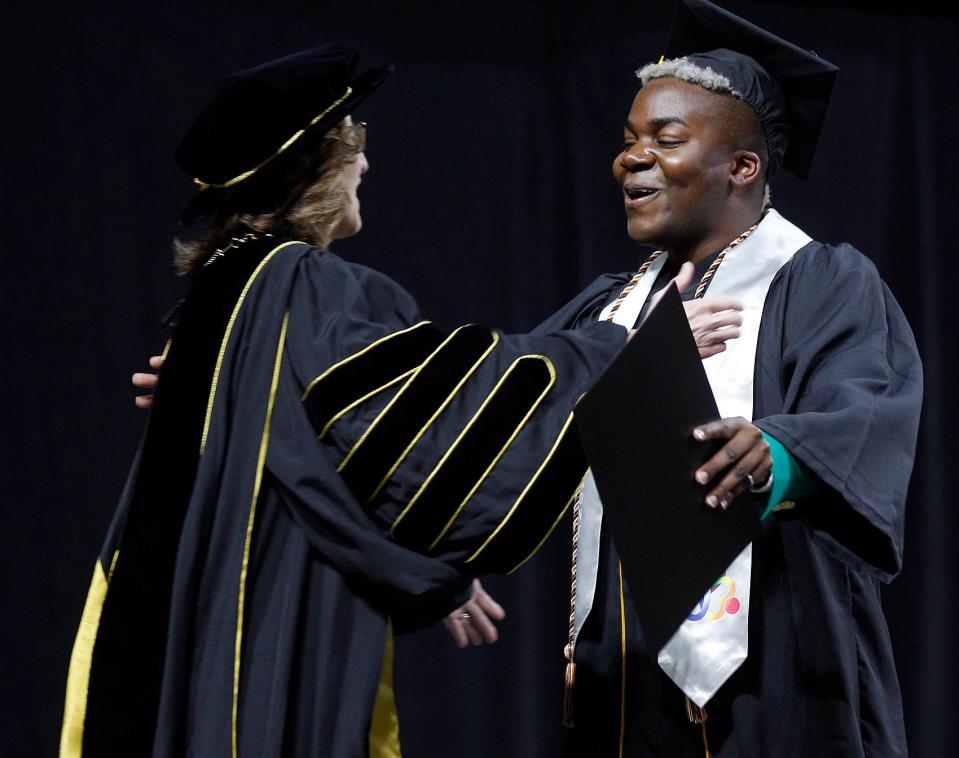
837 381
318 460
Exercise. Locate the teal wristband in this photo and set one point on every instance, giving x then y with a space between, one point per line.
791 480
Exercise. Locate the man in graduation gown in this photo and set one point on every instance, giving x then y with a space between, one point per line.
822 389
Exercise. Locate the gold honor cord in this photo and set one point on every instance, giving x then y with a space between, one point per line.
384 734
244 567
549 532
502 450
630 286
711 271
246 174
570 678
226 340
622 688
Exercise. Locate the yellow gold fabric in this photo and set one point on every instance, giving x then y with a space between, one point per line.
622 693
385 725
78 678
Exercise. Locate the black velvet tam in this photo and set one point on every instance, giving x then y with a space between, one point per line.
264 112
786 86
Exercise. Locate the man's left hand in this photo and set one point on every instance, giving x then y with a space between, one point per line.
746 453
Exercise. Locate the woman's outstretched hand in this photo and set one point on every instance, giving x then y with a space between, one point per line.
472 622
147 381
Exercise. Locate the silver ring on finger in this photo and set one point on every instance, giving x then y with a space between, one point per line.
750 481
465 616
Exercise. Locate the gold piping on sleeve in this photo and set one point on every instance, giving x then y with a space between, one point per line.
360 401
376 343
526 489
622 683
550 531
246 174
81 661
226 339
403 389
244 566
166 348
463 434
113 565
431 419
502 450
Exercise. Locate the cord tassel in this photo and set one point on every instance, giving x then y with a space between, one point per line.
570 683
694 713
570 678
697 715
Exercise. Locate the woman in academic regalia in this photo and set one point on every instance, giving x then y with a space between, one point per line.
321 464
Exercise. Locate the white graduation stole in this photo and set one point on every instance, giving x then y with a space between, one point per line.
713 641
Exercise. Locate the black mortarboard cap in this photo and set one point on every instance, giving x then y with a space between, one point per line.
259 116
636 424
786 86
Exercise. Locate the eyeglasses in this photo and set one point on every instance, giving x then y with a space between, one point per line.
359 134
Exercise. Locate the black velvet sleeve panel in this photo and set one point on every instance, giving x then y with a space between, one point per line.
454 445
839 383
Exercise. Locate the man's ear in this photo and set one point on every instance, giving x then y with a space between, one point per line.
747 168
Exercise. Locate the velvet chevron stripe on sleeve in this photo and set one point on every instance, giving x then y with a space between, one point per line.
476 451
429 390
365 374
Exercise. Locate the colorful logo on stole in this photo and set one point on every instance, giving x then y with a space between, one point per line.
724 591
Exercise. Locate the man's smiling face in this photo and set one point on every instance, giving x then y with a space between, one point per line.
676 162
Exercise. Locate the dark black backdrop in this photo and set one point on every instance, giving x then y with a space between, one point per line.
490 199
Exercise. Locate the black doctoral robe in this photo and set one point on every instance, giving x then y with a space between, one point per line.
318 459
837 381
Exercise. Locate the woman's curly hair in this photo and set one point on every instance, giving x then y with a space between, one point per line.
305 202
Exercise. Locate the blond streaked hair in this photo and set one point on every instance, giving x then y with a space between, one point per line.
309 204
705 77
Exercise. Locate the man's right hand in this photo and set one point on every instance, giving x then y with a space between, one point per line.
713 322
146 381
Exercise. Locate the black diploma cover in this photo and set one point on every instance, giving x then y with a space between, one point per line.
636 425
